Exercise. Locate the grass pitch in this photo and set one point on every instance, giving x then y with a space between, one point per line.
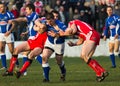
78 74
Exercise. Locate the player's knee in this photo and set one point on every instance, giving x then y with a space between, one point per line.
44 59
83 55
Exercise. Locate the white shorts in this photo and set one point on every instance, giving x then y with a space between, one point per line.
112 40
57 48
7 39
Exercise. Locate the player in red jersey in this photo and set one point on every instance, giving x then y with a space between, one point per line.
90 39
36 45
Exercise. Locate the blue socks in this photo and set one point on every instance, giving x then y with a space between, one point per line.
46 70
62 68
17 63
24 59
112 57
39 59
3 59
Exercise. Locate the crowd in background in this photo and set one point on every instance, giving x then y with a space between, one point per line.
91 11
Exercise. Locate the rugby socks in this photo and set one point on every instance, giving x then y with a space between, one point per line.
39 59
46 70
24 60
62 68
12 63
17 62
112 58
25 65
3 59
96 67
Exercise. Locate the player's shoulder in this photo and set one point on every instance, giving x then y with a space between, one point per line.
59 23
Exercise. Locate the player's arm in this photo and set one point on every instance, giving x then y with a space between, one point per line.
68 32
71 30
79 42
11 29
21 19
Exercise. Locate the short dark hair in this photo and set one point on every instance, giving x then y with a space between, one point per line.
110 7
31 6
2 3
49 16
55 11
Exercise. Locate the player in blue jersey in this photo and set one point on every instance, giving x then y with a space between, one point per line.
54 44
111 29
6 35
31 16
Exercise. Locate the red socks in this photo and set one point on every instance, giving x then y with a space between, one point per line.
25 65
12 63
96 67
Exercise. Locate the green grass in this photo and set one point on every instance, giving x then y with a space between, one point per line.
78 74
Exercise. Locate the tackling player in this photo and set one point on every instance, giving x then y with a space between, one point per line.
90 39
31 16
35 45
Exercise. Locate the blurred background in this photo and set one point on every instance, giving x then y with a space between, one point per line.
91 11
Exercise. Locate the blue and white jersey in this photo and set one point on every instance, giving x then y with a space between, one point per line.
111 25
59 40
4 18
30 21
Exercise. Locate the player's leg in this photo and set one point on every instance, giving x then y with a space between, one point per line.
11 49
116 47
3 55
112 55
47 52
25 57
61 64
59 50
35 52
88 50
39 59
22 47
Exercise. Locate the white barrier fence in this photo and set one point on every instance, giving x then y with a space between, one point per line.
102 49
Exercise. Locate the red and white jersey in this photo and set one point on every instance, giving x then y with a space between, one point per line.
85 31
37 41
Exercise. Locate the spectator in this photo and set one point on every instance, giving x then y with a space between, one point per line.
15 11
62 14
38 6
102 15
76 14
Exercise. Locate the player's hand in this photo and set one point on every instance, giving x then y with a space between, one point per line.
71 44
104 38
116 36
52 33
112 26
7 33
23 34
61 32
